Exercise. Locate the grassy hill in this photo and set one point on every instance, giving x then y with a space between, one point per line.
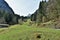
29 32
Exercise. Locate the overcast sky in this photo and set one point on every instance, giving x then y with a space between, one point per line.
24 7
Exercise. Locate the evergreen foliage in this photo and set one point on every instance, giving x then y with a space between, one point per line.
47 11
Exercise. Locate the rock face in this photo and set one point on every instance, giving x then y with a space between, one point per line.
7 15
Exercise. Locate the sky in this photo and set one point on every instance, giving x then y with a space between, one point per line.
23 7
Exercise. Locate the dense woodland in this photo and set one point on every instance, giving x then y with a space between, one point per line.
47 11
7 15
8 18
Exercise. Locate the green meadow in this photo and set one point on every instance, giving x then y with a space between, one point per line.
28 32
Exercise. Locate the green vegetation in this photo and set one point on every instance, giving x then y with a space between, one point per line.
29 32
8 18
41 27
46 12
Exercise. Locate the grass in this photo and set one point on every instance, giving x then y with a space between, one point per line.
26 32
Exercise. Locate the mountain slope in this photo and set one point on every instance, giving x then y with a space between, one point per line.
48 11
7 14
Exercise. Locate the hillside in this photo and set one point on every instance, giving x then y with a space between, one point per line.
47 11
7 15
